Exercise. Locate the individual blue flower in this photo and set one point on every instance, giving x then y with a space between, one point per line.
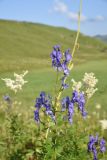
81 104
75 98
92 141
65 69
58 62
64 85
67 59
68 105
80 100
68 56
94 144
102 145
7 98
65 102
95 153
64 107
49 112
56 56
44 101
70 112
36 116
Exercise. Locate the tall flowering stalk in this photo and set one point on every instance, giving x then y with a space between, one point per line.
53 108
70 66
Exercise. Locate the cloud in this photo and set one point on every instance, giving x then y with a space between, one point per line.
98 18
62 8
74 16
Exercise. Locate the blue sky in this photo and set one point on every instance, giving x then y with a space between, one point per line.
58 13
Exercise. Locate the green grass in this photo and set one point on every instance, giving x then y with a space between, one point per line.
27 46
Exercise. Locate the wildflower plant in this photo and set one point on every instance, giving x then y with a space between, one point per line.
54 115
59 129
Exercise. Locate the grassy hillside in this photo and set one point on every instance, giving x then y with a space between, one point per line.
31 45
27 46
102 37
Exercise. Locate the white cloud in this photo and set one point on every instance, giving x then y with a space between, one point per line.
74 16
60 7
98 18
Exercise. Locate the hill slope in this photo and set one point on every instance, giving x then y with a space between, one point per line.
102 37
27 45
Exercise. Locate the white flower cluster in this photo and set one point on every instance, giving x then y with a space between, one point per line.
16 84
90 80
103 124
88 83
76 85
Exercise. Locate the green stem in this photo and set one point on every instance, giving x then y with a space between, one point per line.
74 48
78 32
56 82
54 156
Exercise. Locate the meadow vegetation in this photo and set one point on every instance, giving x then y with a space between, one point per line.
27 46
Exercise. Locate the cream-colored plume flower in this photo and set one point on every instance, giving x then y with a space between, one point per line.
16 84
88 84
103 124
76 85
90 92
90 80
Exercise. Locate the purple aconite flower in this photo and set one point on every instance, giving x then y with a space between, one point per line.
81 104
93 141
74 96
50 113
68 105
60 62
65 62
70 112
65 69
36 116
65 103
95 153
56 56
7 98
94 144
80 100
64 85
102 145
44 101
68 56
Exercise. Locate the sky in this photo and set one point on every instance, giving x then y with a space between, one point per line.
59 13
